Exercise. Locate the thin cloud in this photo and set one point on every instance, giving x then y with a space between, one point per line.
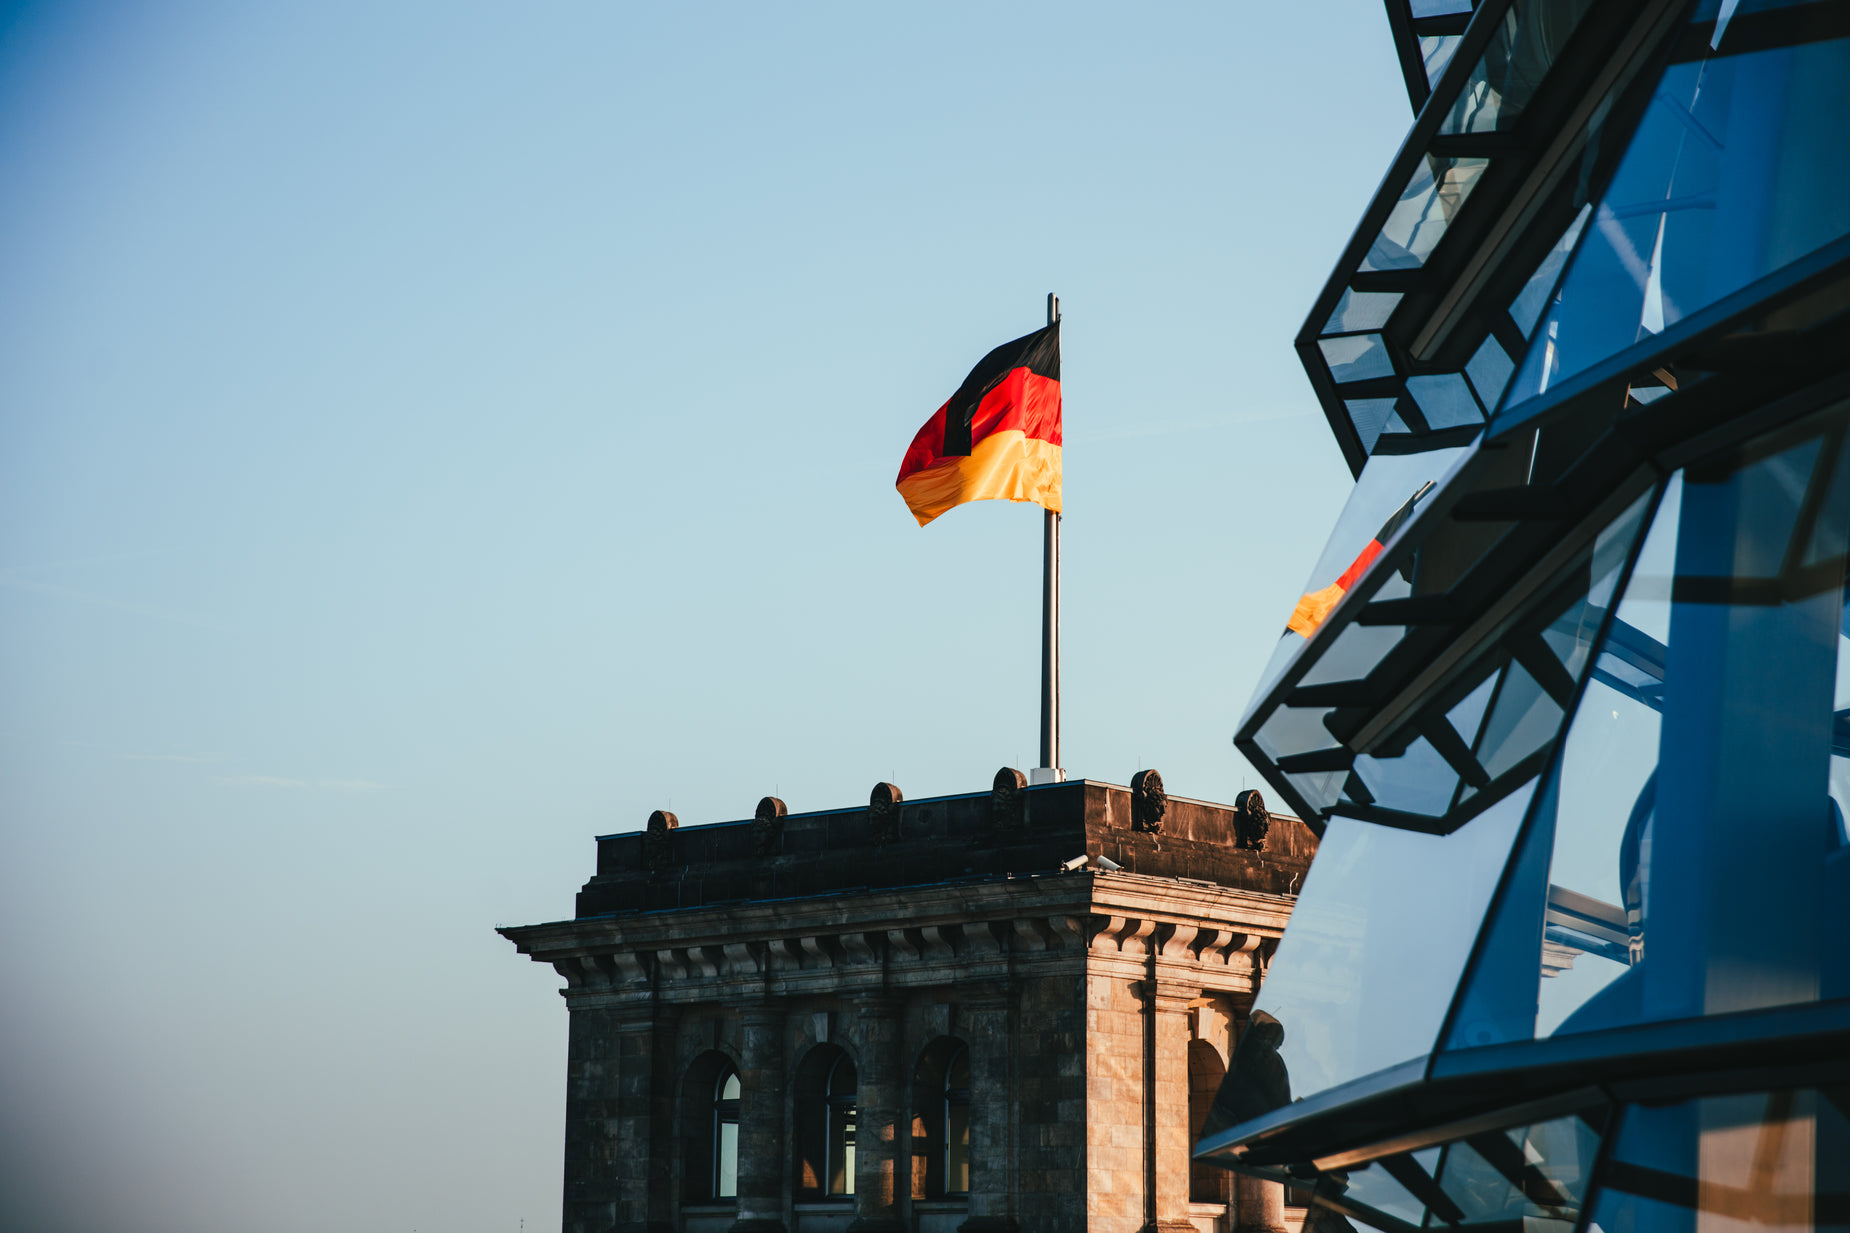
296 785
260 781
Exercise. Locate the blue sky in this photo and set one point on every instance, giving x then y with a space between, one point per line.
434 435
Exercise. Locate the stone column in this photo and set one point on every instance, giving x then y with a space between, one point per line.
986 1031
1261 1205
763 1164
1166 1105
880 1103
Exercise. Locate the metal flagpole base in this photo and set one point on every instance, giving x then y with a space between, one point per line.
1046 774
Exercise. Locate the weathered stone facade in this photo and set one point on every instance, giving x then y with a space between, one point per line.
872 982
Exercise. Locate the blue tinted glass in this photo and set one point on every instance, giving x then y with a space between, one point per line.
1773 1162
1370 416
1445 400
1691 858
1528 304
1490 370
1356 357
1736 170
1341 986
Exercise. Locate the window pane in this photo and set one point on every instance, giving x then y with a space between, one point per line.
728 1179
957 1148
1356 357
1735 171
1433 196
1362 310
1444 400
1765 1162
1690 858
1341 988
1504 80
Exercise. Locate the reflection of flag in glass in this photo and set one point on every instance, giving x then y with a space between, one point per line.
997 437
1313 608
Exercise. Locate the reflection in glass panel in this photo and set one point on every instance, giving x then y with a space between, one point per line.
1361 310
1354 653
1535 294
1433 196
1346 1000
1504 80
1375 1188
1439 8
1735 170
1533 1177
1356 357
1295 730
1414 780
1690 858
1770 1162
1436 52
1445 400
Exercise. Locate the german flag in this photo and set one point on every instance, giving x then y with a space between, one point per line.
1313 608
998 438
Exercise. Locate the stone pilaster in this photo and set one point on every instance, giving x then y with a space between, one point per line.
986 1030
1166 1105
880 1102
762 1161
644 1033
595 1165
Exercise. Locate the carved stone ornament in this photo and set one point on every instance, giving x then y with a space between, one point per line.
1251 820
1148 802
1008 804
657 845
883 813
768 826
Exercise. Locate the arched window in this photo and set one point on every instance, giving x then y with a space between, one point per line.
941 1121
709 1122
726 1136
825 1123
1206 1184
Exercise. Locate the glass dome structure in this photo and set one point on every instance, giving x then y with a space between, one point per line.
1574 725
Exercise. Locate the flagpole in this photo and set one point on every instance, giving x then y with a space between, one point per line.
1049 770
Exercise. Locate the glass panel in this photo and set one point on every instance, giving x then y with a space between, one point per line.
1417 780
1354 654
1490 371
1439 8
1445 400
1427 205
1691 859
1735 170
1535 294
1533 1177
1374 1187
1370 417
728 1180
1356 357
1758 1162
1436 51
1361 310
1524 47
1347 1001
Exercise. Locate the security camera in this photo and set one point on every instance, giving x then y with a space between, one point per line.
1109 865
1078 862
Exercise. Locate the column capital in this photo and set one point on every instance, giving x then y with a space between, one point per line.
769 1013
877 1005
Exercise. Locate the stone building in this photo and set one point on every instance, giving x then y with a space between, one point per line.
1005 1010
